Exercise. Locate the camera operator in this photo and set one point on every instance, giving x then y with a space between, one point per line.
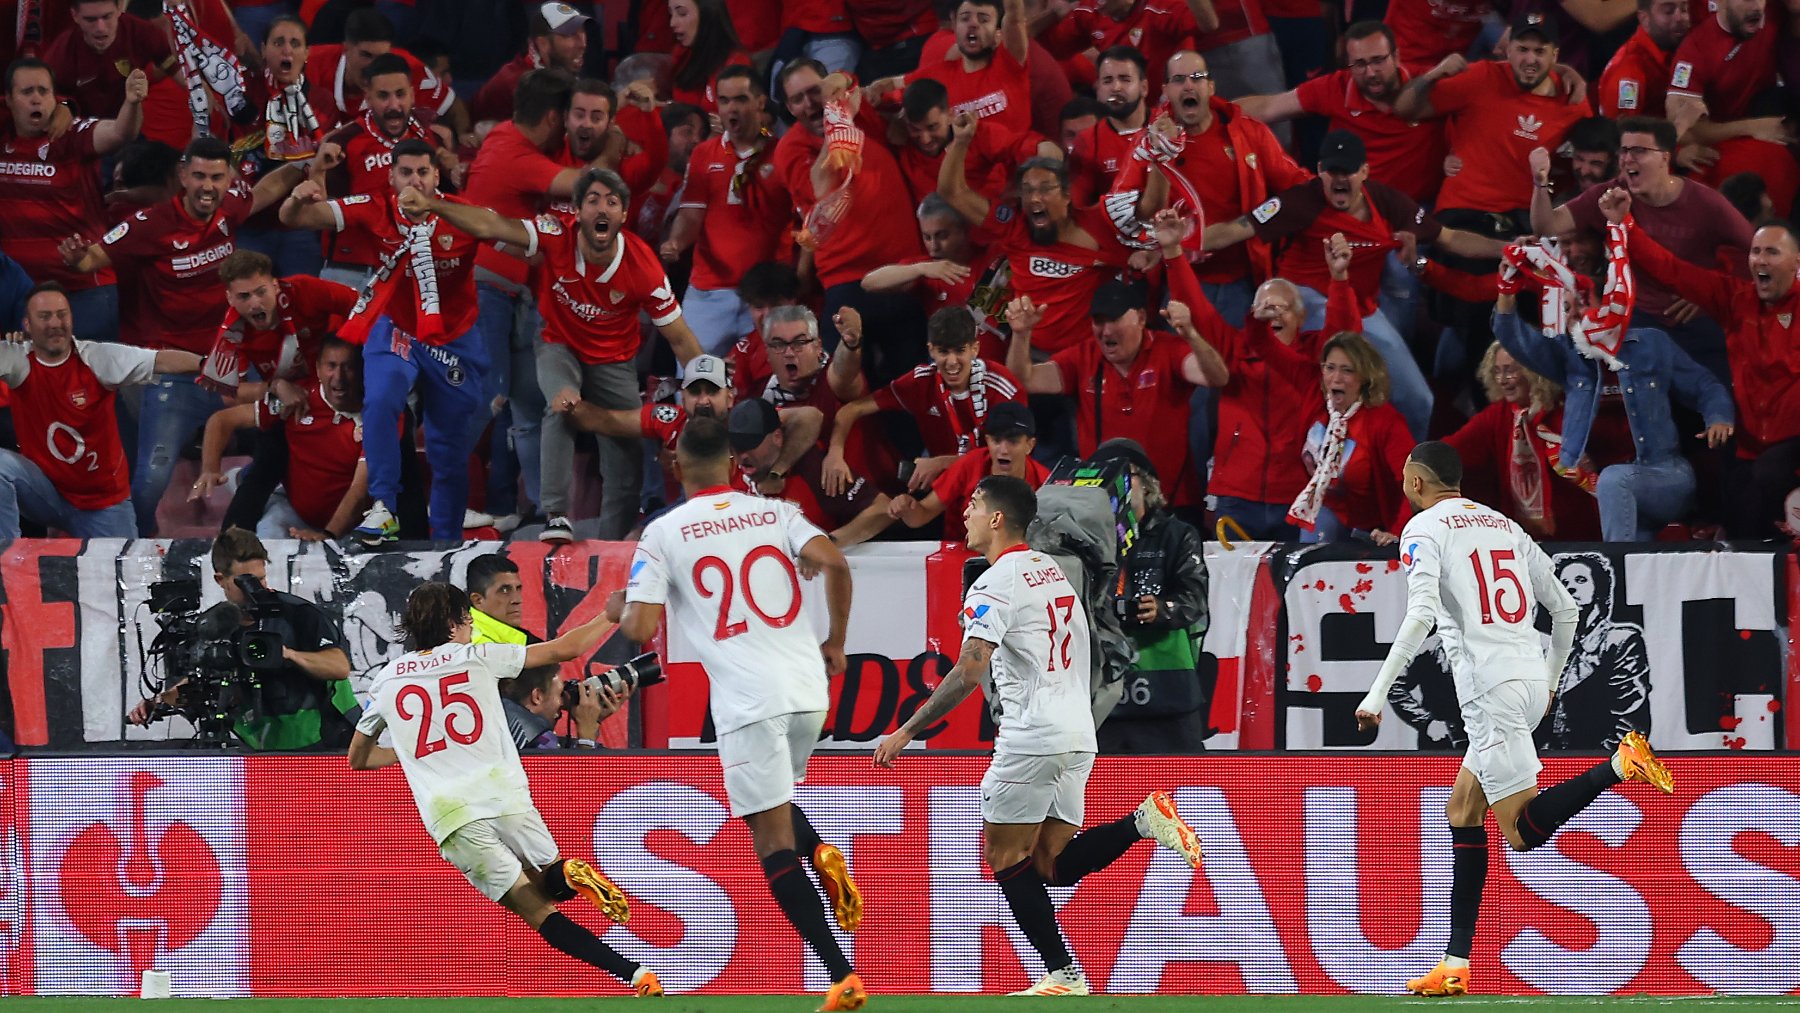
304 701
1163 608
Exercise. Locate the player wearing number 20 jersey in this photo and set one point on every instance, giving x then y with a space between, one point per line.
1477 577
441 703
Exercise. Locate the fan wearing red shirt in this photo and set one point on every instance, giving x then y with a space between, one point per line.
49 188
948 399
1407 155
272 325
1363 494
593 281
1636 79
1121 84
1721 69
94 58
1127 380
953 273
1427 31
416 321
1498 111
168 257
851 516
335 73
985 74
925 122
558 38
69 472
648 157
1008 440
1156 28
33 25
734 205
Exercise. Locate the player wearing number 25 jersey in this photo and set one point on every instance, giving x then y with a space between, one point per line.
441 703
1479 578
723 565
1025 625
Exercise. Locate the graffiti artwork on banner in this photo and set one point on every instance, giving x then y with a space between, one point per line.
1680 645
138 865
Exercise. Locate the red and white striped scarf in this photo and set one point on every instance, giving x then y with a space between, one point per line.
291 130
1600 329
1329 464
207 64
373 300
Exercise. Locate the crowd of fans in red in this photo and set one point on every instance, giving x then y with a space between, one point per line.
431 286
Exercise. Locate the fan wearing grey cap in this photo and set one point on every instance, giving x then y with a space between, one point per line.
1129 380
558 37
759 443
1009 438
706 392
1342 200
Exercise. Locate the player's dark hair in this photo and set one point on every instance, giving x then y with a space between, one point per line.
921 97
541 677
386 63
412 147
244 264
736 71
147 163
935 206
1662 130
1364 29
432 610
703 439
27 63
603 177
284 19
770 283
208 149
715 39
1595 133
234 546
1054 166
1125 54
1011 498
367 25
1080 106
485 569
1442 460
951 328
542 92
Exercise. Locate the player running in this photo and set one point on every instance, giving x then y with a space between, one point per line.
1463 564
442 700
1024 618
724 564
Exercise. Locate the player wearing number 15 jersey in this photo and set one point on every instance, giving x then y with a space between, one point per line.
1477 577
723 565
441 701
1025 625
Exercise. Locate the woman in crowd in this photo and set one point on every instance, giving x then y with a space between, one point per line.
1355 450
705 43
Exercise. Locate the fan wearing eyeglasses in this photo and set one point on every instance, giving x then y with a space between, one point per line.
1157 28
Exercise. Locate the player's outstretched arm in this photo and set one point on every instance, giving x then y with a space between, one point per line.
958 683
366 755
577 643
821 555
482 223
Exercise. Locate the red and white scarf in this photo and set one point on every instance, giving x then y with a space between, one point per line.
372 301
28 28
1600 329
1154 152
207 64
1525 477
291 129
1329 464
224 367
415 131
844 147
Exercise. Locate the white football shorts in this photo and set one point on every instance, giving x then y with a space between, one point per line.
1030 789
492 852
1500 722
765 759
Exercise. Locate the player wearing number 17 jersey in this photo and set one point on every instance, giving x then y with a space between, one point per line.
441 701
1025 625
723 565
1479 578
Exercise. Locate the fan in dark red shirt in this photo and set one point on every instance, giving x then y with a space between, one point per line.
1723 69
274 326
93 59
1427 31
925 122
558 38
1636 79
852 516
1009 439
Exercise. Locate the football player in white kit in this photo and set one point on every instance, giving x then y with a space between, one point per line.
724 565
1026 626
441 701
1479 578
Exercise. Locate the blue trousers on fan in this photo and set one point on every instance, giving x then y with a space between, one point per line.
450 379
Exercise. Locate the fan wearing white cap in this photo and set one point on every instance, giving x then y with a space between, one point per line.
558 38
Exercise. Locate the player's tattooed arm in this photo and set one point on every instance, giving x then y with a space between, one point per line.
958 683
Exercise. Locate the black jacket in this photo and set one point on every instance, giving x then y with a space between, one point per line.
1167 562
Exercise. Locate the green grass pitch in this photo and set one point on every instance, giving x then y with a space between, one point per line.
914 1004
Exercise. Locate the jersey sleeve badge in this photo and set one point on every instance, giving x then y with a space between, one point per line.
117 233
1628 94
1410 556
1684 72
667 414
549 225
1267 210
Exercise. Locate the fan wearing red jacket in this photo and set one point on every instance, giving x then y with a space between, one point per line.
69 472
1355 450
272 325
1121 83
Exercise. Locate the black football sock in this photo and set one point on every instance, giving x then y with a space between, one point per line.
1095 849
800 901
1468 876
805 837
556 885
1029 899
1557 804
563 933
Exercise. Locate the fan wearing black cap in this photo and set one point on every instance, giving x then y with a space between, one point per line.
855 515
1009 437
1371 216
1128 380
1163 608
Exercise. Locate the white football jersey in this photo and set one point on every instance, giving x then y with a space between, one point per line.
722 564
1027 608
443 708
1487 578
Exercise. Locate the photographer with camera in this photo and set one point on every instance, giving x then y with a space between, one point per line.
267 666
1163 608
